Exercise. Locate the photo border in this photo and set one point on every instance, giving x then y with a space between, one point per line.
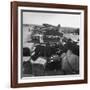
14 43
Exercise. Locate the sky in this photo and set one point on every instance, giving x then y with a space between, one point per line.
65 20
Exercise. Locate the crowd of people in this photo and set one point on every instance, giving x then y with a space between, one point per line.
52 59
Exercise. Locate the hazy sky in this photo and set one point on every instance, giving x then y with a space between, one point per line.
67 20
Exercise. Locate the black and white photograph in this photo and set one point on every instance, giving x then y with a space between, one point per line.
50 43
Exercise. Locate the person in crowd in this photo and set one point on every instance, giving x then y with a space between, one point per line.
38 66
27 66
70 44
38 60
27 69
70 63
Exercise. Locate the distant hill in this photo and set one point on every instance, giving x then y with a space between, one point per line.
69 30
50 27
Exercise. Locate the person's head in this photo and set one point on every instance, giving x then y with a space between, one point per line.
69 52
